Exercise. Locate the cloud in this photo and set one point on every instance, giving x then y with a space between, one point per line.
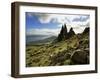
51 32
77 22
80 19
78 29
43 17
47 18
30 14
60 18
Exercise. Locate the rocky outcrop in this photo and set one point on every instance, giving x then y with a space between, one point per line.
86 30
71 33
80 56
64 34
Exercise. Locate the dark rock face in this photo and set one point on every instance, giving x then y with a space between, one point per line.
64 34
71 32
80 57
86 30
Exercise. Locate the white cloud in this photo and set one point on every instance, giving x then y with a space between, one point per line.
60 18
81 18
43 17
78 29
51 32
77 22
69 20
56 18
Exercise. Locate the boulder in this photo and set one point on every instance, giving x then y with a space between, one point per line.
80 56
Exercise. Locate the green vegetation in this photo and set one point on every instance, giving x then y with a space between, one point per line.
70 51
54 53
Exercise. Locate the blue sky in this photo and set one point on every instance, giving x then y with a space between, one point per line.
33 22
50 24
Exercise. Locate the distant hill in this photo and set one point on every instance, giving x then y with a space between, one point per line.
43 41
30 38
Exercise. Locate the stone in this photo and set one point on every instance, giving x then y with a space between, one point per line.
71 33
80 57
86 30
64 34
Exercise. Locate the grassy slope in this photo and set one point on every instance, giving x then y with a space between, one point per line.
53 54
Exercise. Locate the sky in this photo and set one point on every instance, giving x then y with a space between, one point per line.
50 24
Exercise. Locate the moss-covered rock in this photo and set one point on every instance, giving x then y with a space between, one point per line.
80 57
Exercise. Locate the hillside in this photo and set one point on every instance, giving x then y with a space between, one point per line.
43 41
66 49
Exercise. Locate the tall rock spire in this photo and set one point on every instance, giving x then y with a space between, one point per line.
71 33
63 33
